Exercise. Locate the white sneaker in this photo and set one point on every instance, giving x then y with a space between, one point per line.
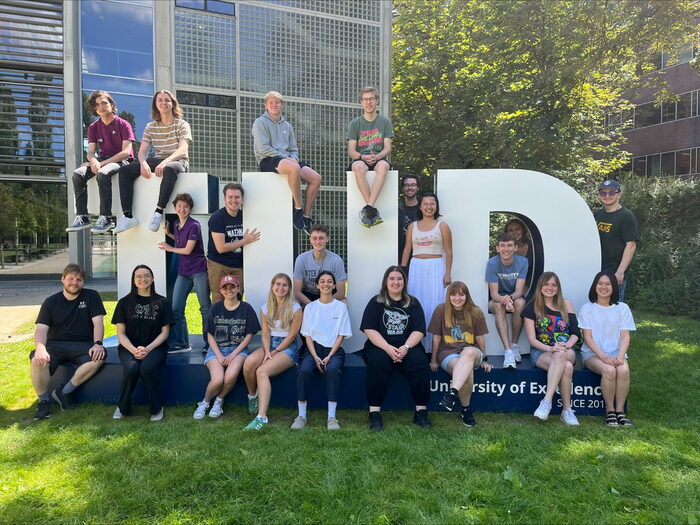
332 424
299 423
154 225
508 359
201 411
117 414
125 223
158 416
217 409
543 410
568 418
516 352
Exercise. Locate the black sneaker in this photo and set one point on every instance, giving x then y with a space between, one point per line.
63 400
448 401
298 218
375 421
468 417
308 224
43 411
420 418
376 218
367 216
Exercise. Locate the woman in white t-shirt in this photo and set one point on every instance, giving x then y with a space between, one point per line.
281 320
606 324
326 323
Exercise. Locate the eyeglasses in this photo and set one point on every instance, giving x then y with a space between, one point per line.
368 99
406 185
604 193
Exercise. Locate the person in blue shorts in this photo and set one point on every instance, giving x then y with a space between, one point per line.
231 326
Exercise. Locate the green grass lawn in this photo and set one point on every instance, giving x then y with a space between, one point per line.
82 467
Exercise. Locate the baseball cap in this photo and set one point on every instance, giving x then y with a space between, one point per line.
228 279
610 184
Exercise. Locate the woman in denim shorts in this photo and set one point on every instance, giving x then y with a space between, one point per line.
281 321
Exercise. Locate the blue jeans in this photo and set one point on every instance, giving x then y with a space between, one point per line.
179 335
333 373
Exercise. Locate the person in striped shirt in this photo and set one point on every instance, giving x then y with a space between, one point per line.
170 136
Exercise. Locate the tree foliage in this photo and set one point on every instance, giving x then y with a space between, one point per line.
523 84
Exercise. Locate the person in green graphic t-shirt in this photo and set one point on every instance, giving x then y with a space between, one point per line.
369 146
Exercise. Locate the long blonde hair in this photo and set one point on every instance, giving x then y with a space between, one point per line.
283 312
471 311
558 299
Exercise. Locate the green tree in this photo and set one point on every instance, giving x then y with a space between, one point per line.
524 84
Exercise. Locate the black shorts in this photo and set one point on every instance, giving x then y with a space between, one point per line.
370 166
271 163
63 351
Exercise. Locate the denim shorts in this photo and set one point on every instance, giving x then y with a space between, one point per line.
225 351
450 357
292 350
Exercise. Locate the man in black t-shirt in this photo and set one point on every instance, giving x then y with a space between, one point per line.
69 328
407 208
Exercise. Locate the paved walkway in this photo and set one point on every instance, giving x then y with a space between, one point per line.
20 302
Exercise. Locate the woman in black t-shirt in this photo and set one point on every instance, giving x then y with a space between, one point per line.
143 320
552 329
395 324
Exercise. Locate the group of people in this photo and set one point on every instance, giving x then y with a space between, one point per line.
412 325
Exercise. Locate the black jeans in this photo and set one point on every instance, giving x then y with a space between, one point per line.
129 173
149 369
82 175
415 367
334 371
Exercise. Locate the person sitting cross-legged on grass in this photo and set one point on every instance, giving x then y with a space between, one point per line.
606 324
552 329
458 327
231 326
143 320
394 324
326 323
281 321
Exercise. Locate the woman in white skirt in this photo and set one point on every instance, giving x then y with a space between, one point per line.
431 263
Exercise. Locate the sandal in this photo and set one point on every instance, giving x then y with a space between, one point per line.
622 420
611 419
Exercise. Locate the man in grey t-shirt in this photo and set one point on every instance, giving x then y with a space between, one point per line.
505 275
309 264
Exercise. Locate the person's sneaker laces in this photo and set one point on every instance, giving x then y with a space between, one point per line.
63 400
543 410
509 359
81 222
298 218
103 225
43 411
201 410
332 424
125 223
568 418
158 416
420 418
375 421
366 217
156 219
448 401
253 404
218 409
516 352
468 417
117 414
299 423
256 424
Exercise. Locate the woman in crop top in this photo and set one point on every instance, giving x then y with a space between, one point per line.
431 263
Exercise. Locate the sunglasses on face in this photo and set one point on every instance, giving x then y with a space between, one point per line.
603 193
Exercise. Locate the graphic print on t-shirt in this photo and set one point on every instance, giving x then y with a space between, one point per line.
229 330
368 138
456 335
395 321
552 329
146 311
234 232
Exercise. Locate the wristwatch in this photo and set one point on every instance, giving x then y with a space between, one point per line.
98 342
407 347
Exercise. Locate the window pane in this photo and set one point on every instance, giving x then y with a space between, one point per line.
683 106
647 115
192 4
668 164
683 162
639 166
668 111
654 165
217 6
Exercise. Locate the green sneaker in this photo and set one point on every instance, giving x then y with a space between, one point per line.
256 424
253 404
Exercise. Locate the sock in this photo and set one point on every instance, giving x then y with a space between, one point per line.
454 391
68 387
296 209
331 408
128 215
302 409
253 396
263 419
464 408
218 400
158 210
45 397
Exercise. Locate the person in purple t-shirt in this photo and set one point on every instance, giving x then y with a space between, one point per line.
191 272
109 148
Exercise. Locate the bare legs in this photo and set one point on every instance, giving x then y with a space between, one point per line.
614 382
560 370
295 174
